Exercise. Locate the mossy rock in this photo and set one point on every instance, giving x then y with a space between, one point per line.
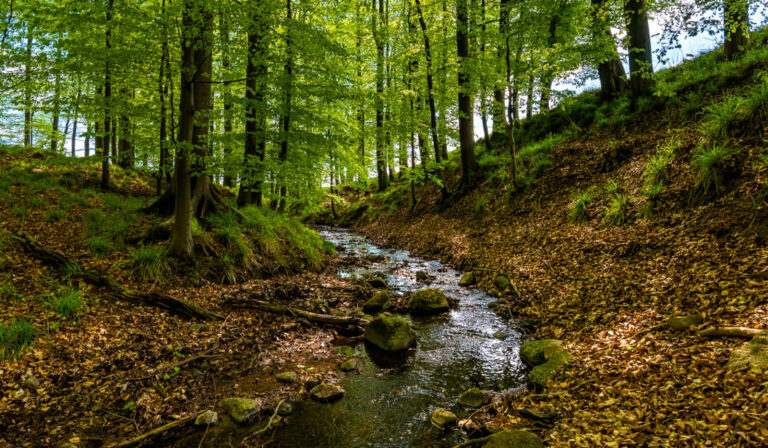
349 365
686 322
242 410
542 373
539 352
753 355
468 279
327 392
473 398
390 333
514 439
287 377
345 350
378 303
377 283
207 418
427 302
502 282
443 418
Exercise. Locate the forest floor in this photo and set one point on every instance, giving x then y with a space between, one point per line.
117 369
606 291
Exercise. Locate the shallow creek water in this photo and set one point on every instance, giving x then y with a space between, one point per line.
389 402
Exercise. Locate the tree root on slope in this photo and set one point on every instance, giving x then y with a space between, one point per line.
95 277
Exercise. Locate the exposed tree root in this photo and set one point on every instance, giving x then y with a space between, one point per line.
59 261
288 311
731 332
159 436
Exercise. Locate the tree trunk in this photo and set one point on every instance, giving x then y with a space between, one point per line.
499 116
286 119
252 174
87 143
529 96
182 244
125 144
640 55
431 100
74 124
105 179
381 168
736 27
466 112
229 178
548 76
28 90
613 79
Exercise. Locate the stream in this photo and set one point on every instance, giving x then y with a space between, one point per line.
389 402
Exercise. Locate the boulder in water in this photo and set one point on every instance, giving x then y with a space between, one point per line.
427 302
377 283
327 392
421 276
468 279
378 303
443 418
752 355
514 439
242 410
390 333
287 377
539 352
473 398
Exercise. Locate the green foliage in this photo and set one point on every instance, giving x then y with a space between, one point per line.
722 118
612 187
228 268
95 222
617 211
55 215
15 337
99 246
36 202
709 166
534 159
148 263
68 304
7 290
579 209
656 171
19 212
651 192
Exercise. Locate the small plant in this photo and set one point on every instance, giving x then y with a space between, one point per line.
723 118
148 263
15 337
651 193
55 215
617 210
99 246
228 268
612 187
7 290
709 165
19 212
579 209
37 202
95 222
68 304
657 168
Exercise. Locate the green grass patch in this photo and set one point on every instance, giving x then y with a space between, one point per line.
148 263
617 211
55 215
99 246
68 304
710 165
15 337
19 212
579 209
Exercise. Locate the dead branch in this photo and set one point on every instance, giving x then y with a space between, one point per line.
296 312
731 332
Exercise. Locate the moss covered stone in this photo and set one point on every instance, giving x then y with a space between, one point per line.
326 392
377 283
468 279
378 303
242 410
287 377
349 365
502 282
685 322
539 352
473 398
542 373
753 355
427 302
514 439
443 418
390 333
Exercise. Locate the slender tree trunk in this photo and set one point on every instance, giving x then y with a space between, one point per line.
127 156
736 27
74 125
548 76
286 119
105 178
381 167
640 55
87 143
466 111
163 166
613 79
483 93
252 174
229 178
28 90
529 95
499 117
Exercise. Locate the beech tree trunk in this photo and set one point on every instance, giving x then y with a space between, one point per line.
466 109
736 27
381 167
28 90
105 178
640 55
229 177
613 78
499 115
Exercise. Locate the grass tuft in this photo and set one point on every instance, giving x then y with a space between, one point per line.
68 304
709 166
579 209
99 246
617 211
15 337
148 263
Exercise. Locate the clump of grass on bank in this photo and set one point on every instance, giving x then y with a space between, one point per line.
617 211
148 263
579 209
15 337
99 246
68 304
709 165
